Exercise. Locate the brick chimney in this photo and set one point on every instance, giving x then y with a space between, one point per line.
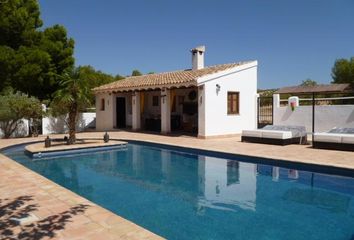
198 57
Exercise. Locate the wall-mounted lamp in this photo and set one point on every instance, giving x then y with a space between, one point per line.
218 88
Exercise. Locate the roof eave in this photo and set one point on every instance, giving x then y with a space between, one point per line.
192 83
216 75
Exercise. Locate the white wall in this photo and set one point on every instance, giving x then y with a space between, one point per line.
213 105
326 116
51 125
106 120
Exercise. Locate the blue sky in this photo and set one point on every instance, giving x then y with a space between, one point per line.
292 40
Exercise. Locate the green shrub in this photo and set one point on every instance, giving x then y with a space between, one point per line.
14 108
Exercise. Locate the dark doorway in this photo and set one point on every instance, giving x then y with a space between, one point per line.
120 111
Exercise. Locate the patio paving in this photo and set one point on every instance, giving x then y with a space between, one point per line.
54 212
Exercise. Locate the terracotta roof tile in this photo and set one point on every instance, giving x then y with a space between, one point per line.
167 79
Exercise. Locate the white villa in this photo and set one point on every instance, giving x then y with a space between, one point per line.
209 101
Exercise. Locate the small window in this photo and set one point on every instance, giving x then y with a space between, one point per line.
233 103
102 104
155 101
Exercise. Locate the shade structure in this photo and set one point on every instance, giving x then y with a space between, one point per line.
317 89
323 88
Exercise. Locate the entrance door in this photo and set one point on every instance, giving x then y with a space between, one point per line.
120 111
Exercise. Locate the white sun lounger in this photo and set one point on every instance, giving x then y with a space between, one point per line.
273 134
336 139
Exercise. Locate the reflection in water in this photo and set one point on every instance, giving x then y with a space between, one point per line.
233 172
185 196
275 173
326 200
293 174
225 185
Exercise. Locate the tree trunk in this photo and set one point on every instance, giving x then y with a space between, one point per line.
72 124
10 128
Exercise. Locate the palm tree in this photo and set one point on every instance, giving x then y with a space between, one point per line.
72 96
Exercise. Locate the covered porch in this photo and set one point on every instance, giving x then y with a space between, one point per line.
172 107
160 110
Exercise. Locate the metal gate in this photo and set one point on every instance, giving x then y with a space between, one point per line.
264 111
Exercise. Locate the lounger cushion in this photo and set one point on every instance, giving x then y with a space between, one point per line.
252 133
348 138
345 130
296 131
276 134
328 137
267 134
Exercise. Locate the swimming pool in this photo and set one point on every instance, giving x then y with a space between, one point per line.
179 194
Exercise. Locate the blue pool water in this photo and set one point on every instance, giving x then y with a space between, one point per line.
181 195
